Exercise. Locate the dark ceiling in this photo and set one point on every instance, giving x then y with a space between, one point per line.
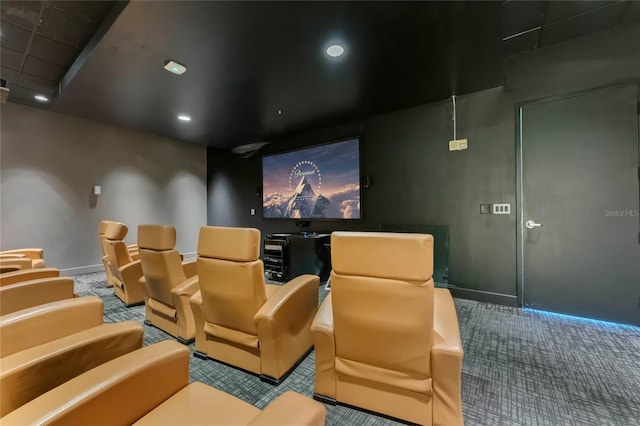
41 39
257 71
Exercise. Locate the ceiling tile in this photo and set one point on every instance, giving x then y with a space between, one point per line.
523 43
13 37
559 10
90 11
633 13
25 96
63 27
43 69
53 51
519 16
587 23
37 84
11 59
21 13
7 74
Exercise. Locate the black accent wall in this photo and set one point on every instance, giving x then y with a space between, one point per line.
416 180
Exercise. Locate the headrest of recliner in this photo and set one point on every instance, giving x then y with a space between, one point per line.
406 257
156 237
103 226
116 231
238 244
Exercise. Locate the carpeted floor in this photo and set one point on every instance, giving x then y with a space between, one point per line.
520 367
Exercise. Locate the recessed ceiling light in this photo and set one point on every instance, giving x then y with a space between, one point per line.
184 117
174 67
335 50
41 98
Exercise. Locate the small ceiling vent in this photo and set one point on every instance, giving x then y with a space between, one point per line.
246 151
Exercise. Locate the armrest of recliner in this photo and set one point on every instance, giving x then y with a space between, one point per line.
283 324
28 275
31 253
291 409
446 361
11 256
131 274
12 264
190 268
41 324
29 373
181 295
27 294
119 391
187 288
324 341
198 317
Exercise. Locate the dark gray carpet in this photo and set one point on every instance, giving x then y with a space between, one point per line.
520 367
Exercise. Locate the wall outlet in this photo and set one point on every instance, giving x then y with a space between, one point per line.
458 144
504 208
253 212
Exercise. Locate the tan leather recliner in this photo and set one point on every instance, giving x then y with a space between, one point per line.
27 294
50 344
385 339
34 255
241 321
133 250
150 386
126 271
169 283
28 275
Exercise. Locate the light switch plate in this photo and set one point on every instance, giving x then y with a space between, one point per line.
503 208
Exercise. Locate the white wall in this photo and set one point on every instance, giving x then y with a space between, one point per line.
49 163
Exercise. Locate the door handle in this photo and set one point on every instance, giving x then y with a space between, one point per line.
531 224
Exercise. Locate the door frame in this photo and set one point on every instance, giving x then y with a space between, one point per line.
520 229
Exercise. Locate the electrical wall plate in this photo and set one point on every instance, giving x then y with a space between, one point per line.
458 144
503 208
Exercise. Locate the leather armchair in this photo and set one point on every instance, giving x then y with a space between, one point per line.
126 271
34 255
12 264
264 329
42 324
386 340
133 250
28 275
27 294
150 386
45 346
169 283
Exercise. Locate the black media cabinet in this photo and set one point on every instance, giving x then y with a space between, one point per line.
287 256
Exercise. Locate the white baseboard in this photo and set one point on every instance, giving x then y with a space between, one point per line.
190 256
69 272
100 267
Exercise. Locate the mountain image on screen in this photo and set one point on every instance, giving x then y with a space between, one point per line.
303 203
320 182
